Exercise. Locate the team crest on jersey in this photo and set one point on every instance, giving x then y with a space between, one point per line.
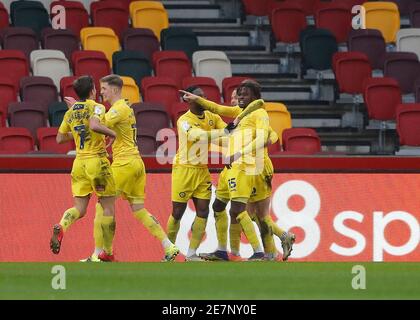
185 126
211 123
98 110
182 194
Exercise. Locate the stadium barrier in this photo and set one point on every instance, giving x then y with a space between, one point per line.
336 217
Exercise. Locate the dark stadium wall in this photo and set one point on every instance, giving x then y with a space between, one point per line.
336 217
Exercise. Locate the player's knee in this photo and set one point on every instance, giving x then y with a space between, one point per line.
178 212
203 212
236 208
218 206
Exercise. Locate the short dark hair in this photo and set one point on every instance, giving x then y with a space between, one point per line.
251 85
113 80
83 86
191 89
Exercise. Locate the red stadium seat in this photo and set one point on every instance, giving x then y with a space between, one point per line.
125 3
404 67
93 63
47 141
301 141
38 89
408 124
382 96
274 148
150 116
309 6
16 140
172 64
350 3
110 14
20 38
15 64
60 39
371 42
335 17
146 142
140 39
256 8
178 109
77 17
30 115
66 87
351 69
8 94
207 84
4 17
161 90
90 62
287 21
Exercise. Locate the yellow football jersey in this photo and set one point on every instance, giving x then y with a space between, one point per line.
120 117
193 145
89 144
250 120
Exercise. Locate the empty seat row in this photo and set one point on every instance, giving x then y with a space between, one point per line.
111 13
288 19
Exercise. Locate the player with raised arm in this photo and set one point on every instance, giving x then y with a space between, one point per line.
91 170
190 174
243 163
260 197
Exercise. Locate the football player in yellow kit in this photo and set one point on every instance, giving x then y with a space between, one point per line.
190 173
242 164
91 170
127 168
258 202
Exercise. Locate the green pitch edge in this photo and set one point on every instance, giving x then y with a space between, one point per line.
196 281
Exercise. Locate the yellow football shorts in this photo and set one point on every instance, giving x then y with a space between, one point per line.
239 183
92 175
188 182
222 190
130 179
262 184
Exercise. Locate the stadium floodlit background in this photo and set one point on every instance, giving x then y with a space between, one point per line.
342 99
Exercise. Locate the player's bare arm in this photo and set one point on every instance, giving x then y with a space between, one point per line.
64 137
95 125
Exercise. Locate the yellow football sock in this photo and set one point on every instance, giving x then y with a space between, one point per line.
235 237
108 229
249 230
279 232
97 227
221 228
172 228
151 223
70 216
198 228
267 235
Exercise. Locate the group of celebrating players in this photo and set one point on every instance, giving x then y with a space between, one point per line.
245 180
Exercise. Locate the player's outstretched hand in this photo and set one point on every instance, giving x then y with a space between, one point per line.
188 96
70 101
